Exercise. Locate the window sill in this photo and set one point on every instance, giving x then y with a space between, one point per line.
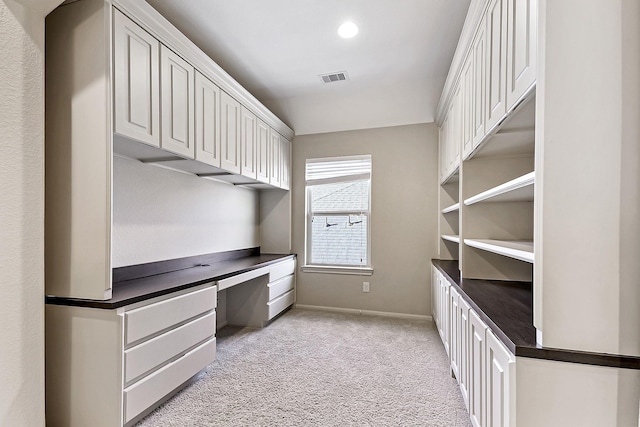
357 271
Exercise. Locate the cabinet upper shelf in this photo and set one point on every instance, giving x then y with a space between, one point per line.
518 249
451 238
516 190
451 208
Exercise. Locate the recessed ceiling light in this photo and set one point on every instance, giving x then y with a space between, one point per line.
348 30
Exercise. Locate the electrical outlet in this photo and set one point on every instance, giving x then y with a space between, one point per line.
365 286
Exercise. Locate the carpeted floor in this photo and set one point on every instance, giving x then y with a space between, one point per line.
313 368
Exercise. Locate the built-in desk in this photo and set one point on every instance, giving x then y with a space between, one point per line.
109 363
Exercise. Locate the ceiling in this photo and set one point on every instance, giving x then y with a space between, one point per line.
276 49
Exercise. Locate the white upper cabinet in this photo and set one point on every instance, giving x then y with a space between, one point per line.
479 53
229 133
177 83
274 159
522 48
248 143
137 89
467 106
285 163
207 121
263 132
496 70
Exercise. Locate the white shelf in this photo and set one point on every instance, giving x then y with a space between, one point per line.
516 190
518 249
451 238
451 208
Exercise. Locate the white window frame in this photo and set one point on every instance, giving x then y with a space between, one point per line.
365 270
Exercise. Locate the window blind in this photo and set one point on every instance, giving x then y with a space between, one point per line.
328 170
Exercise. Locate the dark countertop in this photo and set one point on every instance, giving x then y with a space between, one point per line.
139 289
507 309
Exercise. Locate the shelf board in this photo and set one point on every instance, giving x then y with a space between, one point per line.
516 190
451 208
451 238
519 249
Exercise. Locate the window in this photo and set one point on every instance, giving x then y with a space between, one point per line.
338 214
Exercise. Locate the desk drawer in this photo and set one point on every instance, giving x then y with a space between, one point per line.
148 320
149 390
279 304
282 269
144 357
281 286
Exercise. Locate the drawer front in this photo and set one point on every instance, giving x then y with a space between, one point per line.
144 357
281 286
282 269
151 389
241 278
279 304
151 319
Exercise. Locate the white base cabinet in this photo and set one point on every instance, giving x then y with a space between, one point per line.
484 368
112 367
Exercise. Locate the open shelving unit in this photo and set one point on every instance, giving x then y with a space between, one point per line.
497 197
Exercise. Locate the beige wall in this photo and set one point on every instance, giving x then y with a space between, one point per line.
403 219
22 211
162 214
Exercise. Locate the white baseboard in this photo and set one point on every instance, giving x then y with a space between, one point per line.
221 325
365 312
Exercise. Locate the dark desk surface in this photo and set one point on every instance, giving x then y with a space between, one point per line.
507 309
139 289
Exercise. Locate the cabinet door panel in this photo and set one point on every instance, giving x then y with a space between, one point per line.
477 351
229 133
136 77
498 383
467 107
285 163
274 159
496 105
454 343
521 48
207 121
262 151
463 351
479 83
177 104
248 143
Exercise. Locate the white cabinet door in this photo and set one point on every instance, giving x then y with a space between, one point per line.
285 163
274 159
177 112
467 106
443 148
229 133
477 357
207 121
500 373
463 367
435 288
479 53
522 48
444 312
262 151
454 324
136 77
248 143
496 104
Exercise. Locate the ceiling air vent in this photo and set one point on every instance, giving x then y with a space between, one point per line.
334 77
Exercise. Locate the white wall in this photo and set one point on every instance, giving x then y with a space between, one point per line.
22 211
162 214
404 216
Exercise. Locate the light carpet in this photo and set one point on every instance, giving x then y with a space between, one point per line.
314 368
